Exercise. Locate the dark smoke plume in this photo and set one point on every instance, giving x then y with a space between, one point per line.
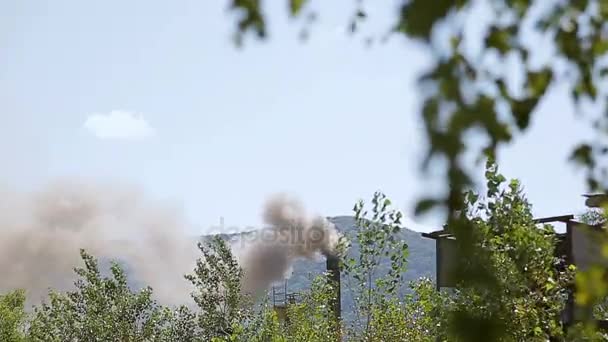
267 255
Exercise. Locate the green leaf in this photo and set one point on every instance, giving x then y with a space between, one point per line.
600 47
603 9
537 82
418 17
251 20
583 155
425 205
580 5
295 6
386 204
522 109
500 38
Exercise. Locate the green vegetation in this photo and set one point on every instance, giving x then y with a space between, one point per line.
528 292
511 286
467 89
517 260
470 91
12 316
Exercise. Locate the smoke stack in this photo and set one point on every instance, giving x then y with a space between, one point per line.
292 233
333 271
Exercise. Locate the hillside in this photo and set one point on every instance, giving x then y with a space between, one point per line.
421 261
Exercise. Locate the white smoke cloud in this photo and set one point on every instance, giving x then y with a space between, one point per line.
119 124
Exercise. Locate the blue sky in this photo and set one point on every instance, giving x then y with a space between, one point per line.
154 93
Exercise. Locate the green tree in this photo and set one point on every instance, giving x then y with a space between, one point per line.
591 289
217 279
512 288
373 287
311 318
512 284
99 309
465 94
106 309
307 320
419 316
264 326
12 316
181 324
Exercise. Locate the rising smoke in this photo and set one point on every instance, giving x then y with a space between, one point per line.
267 256
41 234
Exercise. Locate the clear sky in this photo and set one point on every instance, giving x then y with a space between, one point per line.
154 93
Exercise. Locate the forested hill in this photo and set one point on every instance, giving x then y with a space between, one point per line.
421 260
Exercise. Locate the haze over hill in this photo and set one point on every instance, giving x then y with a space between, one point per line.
421 261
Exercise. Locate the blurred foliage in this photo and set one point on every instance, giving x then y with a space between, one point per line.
511 284
592 290
464 91
467 92
593 216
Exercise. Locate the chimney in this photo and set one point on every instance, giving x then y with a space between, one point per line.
333 270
